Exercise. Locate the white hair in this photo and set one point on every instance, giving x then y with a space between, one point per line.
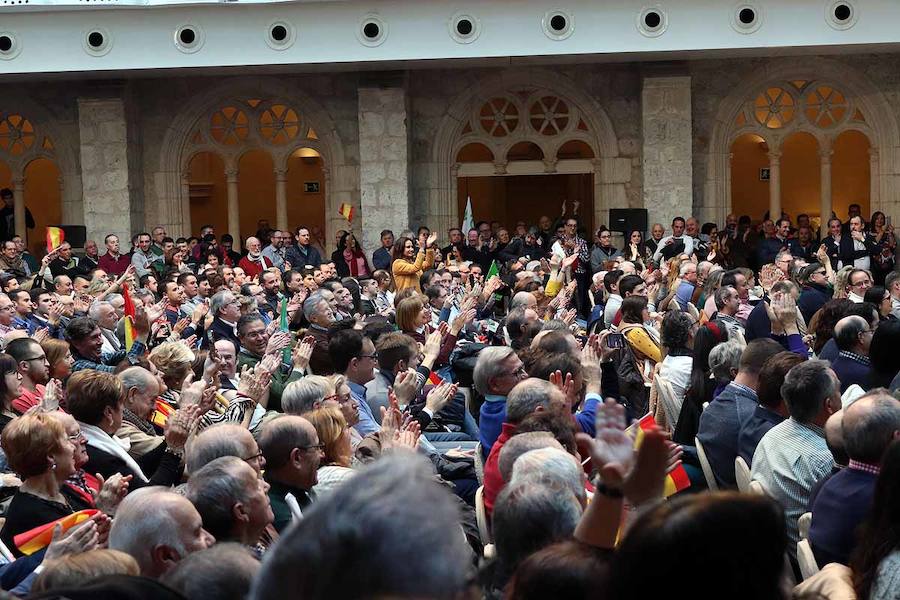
553 464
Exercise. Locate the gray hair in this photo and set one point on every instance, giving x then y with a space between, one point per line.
527 396
722 294
142 294
684 267
224 570
215 442
520 299
279 437
723 358
528 517
870 424
519 445
94 310
360 525
136 377
143 522
114 298
551 464
806 386
847 330
489 365
214 490
311 304
220 300
299 397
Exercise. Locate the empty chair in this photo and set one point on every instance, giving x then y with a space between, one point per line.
707 469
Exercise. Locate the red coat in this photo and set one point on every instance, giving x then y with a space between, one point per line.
493 481
253 267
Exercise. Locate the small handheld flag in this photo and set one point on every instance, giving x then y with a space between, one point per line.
346 211
35 539
55 237
468 221
435 379
162 412
283 326
129 311
678 479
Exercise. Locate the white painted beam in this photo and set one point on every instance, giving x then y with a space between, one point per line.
51 39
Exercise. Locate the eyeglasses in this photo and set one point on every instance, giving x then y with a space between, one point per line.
76 437
373 356
254 458
33 358
319 447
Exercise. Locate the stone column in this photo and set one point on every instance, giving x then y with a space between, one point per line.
234 211
185 225
281 218
826 200
383 163
105 176
874 181
19 208
667 148
774 185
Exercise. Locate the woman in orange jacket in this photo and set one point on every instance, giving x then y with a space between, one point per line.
408 265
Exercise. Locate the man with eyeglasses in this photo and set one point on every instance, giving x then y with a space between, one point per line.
816 290
853 337
891 283
274 251
226 310
293 452
7 313
354 355
35 370
858 281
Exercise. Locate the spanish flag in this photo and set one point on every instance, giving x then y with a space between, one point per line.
161 413
435 379
346 211
128 308
55 237
35 539
677 480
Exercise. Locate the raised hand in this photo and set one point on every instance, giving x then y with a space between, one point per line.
303 352
566 386
431 239
41 335
461 320
180 426
81 538
432 346
112 491
439 396
278 341
405 387
52 393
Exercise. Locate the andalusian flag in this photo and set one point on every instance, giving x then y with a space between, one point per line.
494 270
35 539
468 221
346 211
130 335
283 326
677 480
55 237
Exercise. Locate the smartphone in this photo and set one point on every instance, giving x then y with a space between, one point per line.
212 345
615 340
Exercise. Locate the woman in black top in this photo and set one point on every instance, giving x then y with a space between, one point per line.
10 388
43 456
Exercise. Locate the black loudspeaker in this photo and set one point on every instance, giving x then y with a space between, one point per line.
626 220
76 235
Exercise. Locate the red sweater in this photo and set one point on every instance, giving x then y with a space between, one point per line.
493 481
253 267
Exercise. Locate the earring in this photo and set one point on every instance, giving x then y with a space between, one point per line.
53 466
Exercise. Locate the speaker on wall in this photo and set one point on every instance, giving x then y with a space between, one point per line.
626 220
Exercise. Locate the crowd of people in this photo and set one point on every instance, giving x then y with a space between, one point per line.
502 416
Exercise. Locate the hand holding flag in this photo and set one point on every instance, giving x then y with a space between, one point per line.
40 537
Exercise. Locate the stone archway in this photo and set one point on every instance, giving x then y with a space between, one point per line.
751 108
275 118
549 111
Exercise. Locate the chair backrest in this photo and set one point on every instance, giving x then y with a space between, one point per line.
707 468
803 524
757 488
806 559
670 403
742 474
479 464
484 526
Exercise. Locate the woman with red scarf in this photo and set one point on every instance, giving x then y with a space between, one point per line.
349 259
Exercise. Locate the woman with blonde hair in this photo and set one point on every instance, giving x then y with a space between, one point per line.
413 317
334 436
343 399
175 362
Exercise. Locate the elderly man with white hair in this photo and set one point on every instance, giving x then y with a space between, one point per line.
497 371
158 528
105 314
255 262
551 464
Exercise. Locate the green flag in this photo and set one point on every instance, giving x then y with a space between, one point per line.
494 270
283 326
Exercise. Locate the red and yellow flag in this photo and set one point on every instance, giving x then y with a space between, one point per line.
161 413
435 379
35 539
677 480
346 211
129 311
55 237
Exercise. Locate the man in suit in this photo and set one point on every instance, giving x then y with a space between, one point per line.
226 310
869 426
857 248
853 336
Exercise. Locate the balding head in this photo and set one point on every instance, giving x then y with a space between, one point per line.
289 446
530 395
853 334
218 441
869 425
519 445
523 299
157 528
